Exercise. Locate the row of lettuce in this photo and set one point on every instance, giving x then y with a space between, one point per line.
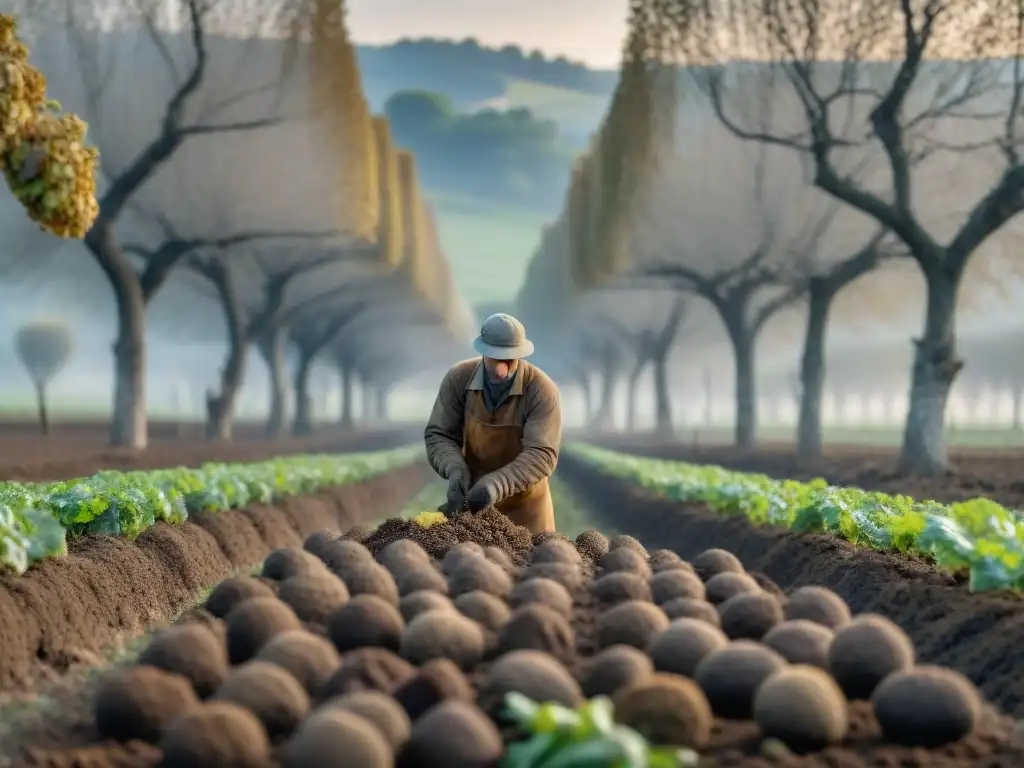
978 536
37 519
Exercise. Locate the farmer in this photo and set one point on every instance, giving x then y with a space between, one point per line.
496 428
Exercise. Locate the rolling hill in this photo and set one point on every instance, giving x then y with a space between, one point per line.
489 244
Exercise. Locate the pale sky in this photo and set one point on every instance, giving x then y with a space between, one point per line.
585 30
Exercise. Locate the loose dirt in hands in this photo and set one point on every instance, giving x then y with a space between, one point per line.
65 611
736 742
977 634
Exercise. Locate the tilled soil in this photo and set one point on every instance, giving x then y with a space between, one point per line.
78 450
995 474
977 634
561 639
66 610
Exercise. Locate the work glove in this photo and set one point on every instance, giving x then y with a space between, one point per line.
481 496
456 493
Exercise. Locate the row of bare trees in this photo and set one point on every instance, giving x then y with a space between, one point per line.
799 146
239 158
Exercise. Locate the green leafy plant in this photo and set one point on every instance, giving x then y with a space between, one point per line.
979 536
588 737
36 519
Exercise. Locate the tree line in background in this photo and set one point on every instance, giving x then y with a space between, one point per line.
783 152
340 251
506 156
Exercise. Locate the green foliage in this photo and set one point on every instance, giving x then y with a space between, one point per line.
587 737
507 155
35 519
977 536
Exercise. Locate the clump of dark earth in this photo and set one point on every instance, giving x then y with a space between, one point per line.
488 528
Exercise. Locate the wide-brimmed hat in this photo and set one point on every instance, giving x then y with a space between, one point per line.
502 337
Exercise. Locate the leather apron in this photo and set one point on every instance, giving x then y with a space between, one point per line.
492 441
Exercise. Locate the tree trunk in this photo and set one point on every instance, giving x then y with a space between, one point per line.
272 346
934 370
44 420
631 397
746 385
588 400
604 416
1018 405
812 372
303 423
709 400
220 407
128 426
663 424
380 403
347 393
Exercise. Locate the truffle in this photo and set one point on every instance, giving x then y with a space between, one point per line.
233 591
479 573
252 624
484 608
337 738
801 642
359 533
401 556
544 592
625 559
681 647
750 615
817 604
138 702
318 542
308 658
192 651
866 651
670 585
690 608
665 709
720 588
420 578
365 620
342 555
443 634
568 576
286 562
622 541
215 735
438 680
630 623
269 692
658 557
614 668
455 734
313 597
556 551
592 545
367 669
537 627
461 553
620 587
803 708
712 562
499 558
415 603
535 674
380 709
372 579
926 706
731 676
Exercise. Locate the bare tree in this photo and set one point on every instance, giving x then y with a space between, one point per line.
43 348
904 81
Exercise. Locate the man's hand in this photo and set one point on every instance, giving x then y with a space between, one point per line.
456 492
480 497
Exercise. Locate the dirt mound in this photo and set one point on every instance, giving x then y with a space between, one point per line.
488 528
66 610
974 634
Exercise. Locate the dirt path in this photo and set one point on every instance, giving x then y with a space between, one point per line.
977 634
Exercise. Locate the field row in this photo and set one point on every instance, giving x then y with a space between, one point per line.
37 519
977 537
470 643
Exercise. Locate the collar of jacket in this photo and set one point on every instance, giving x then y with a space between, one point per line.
476 383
